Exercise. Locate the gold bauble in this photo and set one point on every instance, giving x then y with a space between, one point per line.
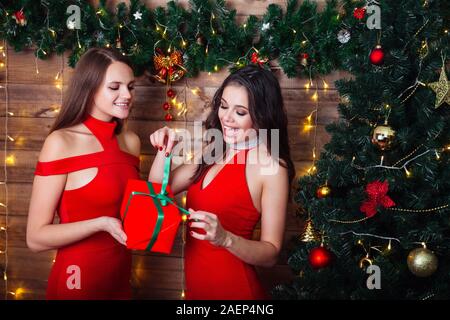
382 136
344 99
422 262
309 233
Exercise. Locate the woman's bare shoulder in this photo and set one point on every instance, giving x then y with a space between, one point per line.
59 144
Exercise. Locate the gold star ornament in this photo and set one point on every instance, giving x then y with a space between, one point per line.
441 88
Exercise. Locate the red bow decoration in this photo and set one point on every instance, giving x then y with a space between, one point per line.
20 18
377 197
256 60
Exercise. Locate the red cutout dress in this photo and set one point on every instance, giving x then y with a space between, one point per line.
102 264
213 273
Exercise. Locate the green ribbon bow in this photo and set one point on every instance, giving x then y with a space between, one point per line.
160 200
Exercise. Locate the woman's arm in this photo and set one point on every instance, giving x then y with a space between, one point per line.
264 252
42 234
164 140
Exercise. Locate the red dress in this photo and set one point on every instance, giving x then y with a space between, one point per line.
102 264
213 273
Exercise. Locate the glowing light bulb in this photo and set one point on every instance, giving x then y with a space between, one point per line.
408 173
10 160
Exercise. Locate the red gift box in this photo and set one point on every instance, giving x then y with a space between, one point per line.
139 212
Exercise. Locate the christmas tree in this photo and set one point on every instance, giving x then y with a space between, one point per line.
377 202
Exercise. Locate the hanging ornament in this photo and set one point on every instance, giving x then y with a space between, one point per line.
170 68
359 13
344 99
118 43
309 234
171 93
422 262
343 36
20 18
319 257
377 55
200 39
441 88
304 59
377 197
166 106
168 117
323 191
255 59
383 136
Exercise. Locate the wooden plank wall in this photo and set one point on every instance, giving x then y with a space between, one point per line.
32 97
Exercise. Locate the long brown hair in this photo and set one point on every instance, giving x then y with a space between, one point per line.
86 80
266 110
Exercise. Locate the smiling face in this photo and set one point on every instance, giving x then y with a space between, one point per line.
115 95
234 114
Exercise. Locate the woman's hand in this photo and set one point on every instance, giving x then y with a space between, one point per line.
114 227
164 138
209 222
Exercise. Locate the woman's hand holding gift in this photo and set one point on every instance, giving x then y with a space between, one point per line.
214 232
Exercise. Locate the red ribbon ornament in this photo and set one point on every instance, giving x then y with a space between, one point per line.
256 60
376 191
20 18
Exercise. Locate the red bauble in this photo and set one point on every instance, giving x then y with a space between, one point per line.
377 56
319 257
168 117
166 106
359 13
170 93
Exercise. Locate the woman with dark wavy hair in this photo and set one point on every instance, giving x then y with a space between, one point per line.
81 174
247 182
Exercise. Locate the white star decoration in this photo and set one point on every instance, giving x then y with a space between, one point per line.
265 26
137 15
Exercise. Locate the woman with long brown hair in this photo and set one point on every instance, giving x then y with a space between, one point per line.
239 180
81 174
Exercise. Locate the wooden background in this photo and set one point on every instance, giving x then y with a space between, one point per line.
32 98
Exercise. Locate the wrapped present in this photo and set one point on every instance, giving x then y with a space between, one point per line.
150 216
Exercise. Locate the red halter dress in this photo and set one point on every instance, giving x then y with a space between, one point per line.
213 273
97 267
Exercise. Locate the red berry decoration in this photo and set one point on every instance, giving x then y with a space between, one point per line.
166 106
319 257
377 56
170 93
359 13
168 117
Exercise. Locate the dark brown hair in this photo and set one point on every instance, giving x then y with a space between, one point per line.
86 80
266 110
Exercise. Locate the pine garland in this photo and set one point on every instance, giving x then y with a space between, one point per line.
206 33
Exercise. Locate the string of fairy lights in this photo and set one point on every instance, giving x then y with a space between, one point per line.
4 182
